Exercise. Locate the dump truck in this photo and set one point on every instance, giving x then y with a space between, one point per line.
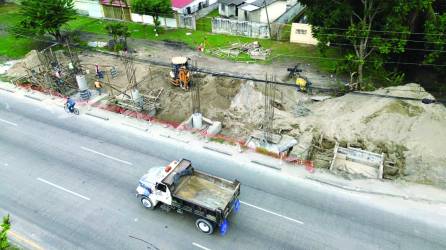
180 187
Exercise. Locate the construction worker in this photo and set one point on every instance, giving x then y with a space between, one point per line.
98 86
301 84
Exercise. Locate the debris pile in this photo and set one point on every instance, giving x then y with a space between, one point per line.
254 50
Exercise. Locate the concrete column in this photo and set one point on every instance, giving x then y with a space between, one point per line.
197 120
83 87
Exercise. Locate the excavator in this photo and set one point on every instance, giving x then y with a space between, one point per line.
180 75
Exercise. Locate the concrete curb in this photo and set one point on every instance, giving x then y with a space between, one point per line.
8 90
98 116
266 165
34 98
174 138
134 126
217 150
359 190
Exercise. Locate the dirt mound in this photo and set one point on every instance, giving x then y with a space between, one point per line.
410 133
31 60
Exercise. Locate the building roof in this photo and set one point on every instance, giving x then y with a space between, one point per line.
118 3
261 3
251 5
179 4
232 2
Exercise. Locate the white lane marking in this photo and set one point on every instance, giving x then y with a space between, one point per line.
8 122
107 156
200 246
64 189
273 213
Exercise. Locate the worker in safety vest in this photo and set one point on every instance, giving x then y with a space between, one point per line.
98 86
301 84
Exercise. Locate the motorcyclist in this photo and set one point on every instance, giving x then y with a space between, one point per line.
70 104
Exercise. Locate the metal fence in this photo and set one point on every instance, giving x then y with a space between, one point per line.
240 28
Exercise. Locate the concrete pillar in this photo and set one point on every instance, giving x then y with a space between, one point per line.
197 120
137 98
83 87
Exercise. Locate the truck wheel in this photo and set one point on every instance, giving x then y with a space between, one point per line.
147 203
204 226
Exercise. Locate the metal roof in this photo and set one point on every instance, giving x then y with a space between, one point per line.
232 2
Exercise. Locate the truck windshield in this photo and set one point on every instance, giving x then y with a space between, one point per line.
161 187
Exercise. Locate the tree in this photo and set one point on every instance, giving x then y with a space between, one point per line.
155 8
40 17
366 27
435 35
6 225
118 32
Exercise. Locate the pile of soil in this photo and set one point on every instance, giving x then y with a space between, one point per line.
31 60
412 135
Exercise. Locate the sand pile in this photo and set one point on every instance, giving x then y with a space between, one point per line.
408 132
31 60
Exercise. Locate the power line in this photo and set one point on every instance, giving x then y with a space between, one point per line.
384 38
296 56
229 75
412 49
386 31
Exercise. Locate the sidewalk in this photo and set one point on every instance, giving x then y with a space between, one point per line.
392 189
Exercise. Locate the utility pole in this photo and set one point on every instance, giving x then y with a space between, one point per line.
267 18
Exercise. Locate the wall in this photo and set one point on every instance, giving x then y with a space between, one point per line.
239 28
165 21
93 8
275 10
301 33
229 10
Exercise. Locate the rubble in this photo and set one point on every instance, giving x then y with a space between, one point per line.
254 50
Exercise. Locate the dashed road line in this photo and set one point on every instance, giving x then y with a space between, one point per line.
273 213
106 156
200 246
63 189
8 122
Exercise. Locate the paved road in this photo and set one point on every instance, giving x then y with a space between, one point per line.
68 182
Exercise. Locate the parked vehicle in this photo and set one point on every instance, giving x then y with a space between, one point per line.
180 187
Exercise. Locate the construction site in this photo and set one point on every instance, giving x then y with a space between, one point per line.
355 135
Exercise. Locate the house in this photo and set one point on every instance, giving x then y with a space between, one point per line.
116 9
302 33
187 7
261 11
91 8
229 8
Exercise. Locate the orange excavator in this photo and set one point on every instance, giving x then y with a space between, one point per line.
180 75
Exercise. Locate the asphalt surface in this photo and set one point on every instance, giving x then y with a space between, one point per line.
69 183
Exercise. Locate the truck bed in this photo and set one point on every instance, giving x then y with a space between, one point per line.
205 190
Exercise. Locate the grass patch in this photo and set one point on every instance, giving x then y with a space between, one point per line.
12 47
280 51
205 23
